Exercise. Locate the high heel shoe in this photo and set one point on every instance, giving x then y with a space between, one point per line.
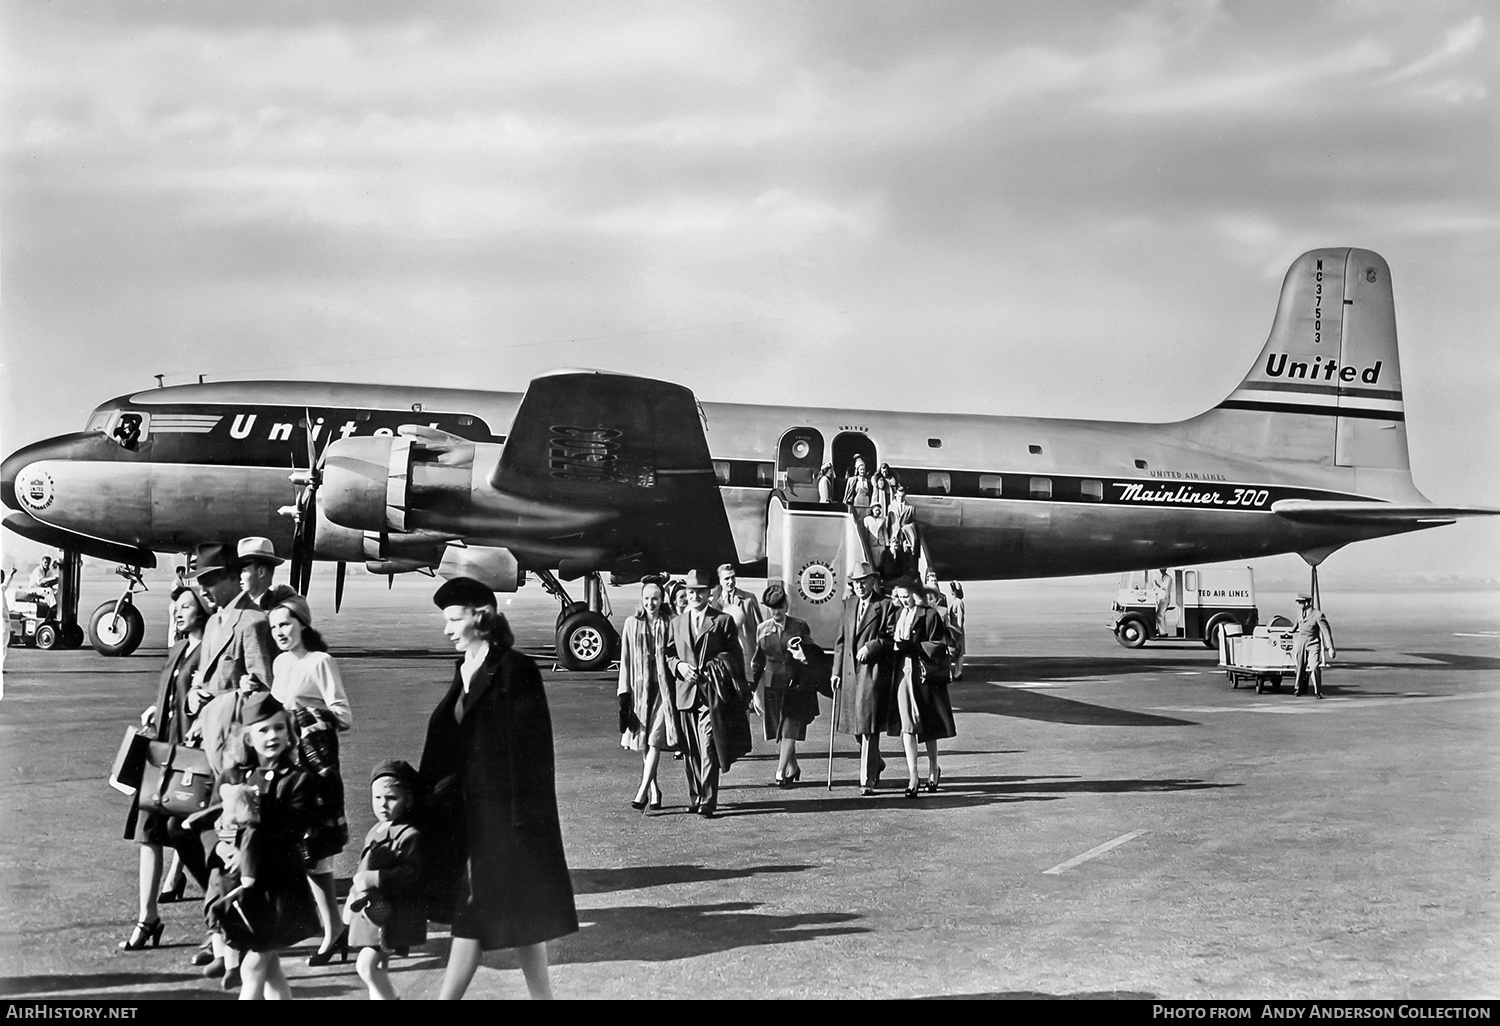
638 804
325 955
141 934
934 778
912 792
174 895
656 801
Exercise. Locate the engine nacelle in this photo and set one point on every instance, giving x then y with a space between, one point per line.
495 568
393 566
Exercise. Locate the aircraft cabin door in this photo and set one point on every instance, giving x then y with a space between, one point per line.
798 459
1189 602
846 446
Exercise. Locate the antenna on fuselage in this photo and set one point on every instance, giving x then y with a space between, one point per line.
159 382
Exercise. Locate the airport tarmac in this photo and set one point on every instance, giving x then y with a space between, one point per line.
1111 823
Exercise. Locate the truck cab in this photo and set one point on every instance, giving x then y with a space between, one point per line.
1183 604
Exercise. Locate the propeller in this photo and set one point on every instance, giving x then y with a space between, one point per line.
305 519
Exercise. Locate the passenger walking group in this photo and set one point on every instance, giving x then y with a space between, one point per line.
470 836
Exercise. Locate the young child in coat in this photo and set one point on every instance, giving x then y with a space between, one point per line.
386 910
257 893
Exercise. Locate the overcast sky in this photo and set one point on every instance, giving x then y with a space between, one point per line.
1053 209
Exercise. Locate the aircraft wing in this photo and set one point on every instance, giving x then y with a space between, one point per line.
631 449
1314 511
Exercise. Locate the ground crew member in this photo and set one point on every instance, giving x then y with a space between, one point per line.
1312 639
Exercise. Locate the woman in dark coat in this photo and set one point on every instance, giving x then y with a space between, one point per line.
921 712
168 721
497 868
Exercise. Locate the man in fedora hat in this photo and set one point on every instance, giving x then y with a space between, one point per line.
708 669
237 646
862 670
258 562
1312 642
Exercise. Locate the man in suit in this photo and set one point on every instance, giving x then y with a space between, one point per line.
862 660
707 665
1312 640
258 562
237 651
741 607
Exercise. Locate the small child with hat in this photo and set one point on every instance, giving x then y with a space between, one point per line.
386 910
257 893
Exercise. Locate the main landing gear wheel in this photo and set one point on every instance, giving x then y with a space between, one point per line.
116 635
1211 632
1131 633
585 641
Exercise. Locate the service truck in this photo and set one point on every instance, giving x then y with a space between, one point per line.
1183 604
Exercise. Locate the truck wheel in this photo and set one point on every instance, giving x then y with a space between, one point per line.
48 636
585 641
1131 632
114 635
1211 632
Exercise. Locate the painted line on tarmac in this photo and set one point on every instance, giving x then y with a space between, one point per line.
1480 634
1305 706
1093 853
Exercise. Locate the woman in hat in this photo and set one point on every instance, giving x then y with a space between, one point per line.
498 870
305 679
645 691
778 669
257 894
827 484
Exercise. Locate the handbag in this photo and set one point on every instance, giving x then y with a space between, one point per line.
130 762
176 780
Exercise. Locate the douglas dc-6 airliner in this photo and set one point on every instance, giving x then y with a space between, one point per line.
589 473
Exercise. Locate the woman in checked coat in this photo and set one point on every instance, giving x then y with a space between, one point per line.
495 846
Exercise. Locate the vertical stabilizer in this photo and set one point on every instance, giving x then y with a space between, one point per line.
1327 386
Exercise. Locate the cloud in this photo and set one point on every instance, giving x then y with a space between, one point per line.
1459 41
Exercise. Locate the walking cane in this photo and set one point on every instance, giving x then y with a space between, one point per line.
832 719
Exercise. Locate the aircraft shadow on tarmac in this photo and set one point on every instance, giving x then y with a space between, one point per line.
15 986
1018 668
1032 995
962 792
1031 705
629 878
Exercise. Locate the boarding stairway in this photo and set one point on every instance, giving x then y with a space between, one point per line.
812 548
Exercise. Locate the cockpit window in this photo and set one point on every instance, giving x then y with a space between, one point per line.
97 420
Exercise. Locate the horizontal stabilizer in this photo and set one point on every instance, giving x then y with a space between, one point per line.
1313 511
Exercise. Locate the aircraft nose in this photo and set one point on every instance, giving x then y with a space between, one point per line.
76 446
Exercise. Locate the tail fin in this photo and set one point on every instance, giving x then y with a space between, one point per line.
1326 388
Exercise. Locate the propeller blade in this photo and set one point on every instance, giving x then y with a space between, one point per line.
338 585
312 450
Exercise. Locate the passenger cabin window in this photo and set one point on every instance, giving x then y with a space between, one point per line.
1041 488
989 485
1140 464
1092 490
940 482
764 474
721 471
1035 450
934 443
